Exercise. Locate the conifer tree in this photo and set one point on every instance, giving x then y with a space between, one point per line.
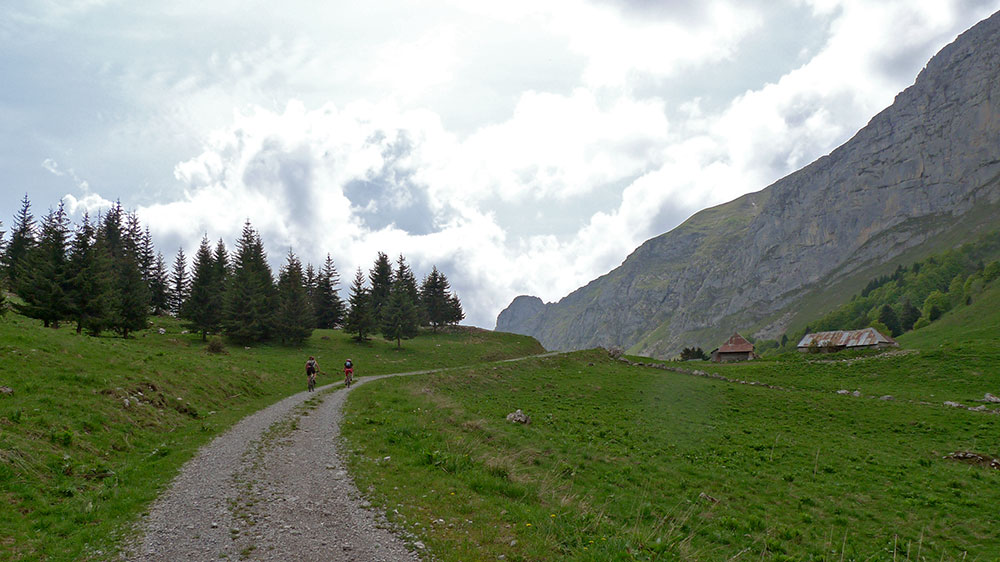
441 306
293 320
203 307
250 296
455 312
146 254
90 280
380 277
400 318
121 235
327 304
179 283
223 265
159 283
22 239
359 317
42 275
223 272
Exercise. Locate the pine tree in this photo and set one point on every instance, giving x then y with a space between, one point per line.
158 284
89 273
380 277
887 316
22 239
146 254
359 317
203 307
434 299
250 296
455 312
42 273
129 308
400 318
293 321
179 283
327 305
908 315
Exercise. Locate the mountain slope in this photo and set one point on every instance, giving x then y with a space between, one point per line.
922 175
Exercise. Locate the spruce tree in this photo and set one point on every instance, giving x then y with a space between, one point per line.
42 275
293 320
327 304
159 283
179 283
380 277
434 299
359 317
441 306
455 312
89 270
203 307
250 296
146 254
22 239
400 318
122 236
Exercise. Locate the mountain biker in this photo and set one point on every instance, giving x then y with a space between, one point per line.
311 368
348 372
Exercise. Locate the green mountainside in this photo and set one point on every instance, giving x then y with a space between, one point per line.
923 176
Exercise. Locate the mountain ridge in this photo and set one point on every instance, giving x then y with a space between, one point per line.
922 170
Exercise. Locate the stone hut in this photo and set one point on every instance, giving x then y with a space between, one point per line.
737 348
838 340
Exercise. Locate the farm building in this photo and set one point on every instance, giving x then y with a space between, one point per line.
737 348
869 338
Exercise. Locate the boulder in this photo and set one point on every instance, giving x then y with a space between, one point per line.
518 416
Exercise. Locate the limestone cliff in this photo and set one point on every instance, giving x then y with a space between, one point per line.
922 175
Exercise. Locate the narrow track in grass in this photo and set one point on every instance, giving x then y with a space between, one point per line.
272 487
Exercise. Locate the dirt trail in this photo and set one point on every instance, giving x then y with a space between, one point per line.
273 487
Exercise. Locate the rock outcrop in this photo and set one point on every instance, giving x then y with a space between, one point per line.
923 175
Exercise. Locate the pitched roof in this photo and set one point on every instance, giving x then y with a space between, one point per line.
736 344
846 338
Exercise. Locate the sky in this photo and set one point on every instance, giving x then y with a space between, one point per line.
522 147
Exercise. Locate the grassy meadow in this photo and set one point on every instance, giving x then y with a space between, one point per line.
635 463
95 428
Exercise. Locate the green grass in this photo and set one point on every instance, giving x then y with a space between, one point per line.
78 464
636 463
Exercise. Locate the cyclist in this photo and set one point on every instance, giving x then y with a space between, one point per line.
312 367
348 372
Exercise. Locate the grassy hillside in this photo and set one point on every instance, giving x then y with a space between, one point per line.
635 463
95 428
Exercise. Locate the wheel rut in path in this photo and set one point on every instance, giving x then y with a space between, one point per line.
273 487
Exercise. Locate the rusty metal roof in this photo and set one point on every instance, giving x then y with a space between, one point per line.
736 344
846 338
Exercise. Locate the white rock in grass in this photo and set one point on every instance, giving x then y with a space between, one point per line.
518 417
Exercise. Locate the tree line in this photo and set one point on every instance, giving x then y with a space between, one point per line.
910 297
106 275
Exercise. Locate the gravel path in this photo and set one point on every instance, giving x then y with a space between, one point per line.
273 487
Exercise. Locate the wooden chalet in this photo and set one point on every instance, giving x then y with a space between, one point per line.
838 340
737 348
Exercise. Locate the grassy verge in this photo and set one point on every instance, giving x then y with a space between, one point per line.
95 428
631 463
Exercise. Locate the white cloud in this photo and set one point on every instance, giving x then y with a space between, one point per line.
460 134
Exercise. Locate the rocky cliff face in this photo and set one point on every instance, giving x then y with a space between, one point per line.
923 172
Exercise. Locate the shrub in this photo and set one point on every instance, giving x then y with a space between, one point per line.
215 345
921 322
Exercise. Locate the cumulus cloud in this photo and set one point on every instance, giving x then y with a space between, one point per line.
522 147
